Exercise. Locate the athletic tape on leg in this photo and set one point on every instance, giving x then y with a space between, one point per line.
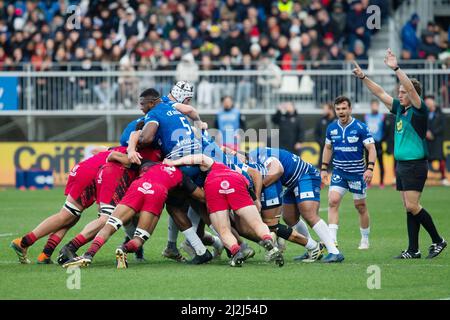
115 222
72 209
141 233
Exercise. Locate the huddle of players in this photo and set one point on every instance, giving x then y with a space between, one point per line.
235 195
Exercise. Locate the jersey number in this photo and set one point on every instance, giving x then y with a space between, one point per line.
186 125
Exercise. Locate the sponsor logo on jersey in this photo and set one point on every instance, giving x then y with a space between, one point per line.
225 185
353 132
399 125
146 188
346 149
100 177
334 132
168 170
353 139
308 194
336 178
355 185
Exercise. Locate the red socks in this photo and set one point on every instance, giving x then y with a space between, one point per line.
51 244
131 246
95 246
234 249
78 241
28 240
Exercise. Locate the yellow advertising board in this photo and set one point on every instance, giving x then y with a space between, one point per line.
60 157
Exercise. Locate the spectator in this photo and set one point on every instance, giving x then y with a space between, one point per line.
130 25
320 129
435 136
291 132
409 37
245 84
229 120
375 121
339 19
356 25
428 46
187 69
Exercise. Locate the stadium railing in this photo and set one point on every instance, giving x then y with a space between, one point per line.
259 91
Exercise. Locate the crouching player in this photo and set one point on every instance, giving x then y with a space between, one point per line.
81 194
227 190
146 195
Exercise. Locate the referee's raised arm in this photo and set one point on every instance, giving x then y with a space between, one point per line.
373 87
391 61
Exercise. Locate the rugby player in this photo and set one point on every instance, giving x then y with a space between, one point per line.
147 196
346 140
81 194
226 190
302 182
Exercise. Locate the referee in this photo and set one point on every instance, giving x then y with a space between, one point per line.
410 151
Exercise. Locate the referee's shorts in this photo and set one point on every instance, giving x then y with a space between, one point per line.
411 175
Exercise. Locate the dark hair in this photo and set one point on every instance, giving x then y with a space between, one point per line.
341 99
151 93
417 85
140 125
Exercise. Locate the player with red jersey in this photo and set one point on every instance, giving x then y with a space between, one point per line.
225 190
113 180
146 196
81 194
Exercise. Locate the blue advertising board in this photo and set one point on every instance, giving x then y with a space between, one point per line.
8 93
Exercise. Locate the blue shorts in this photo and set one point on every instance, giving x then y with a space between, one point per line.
306 189
271 196
342 183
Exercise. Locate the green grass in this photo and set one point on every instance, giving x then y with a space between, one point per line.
164 279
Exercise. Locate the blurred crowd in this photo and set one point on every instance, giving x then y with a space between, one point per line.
156 34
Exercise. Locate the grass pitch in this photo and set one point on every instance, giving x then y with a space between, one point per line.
160 278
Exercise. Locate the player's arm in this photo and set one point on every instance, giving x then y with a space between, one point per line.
192 113
372 157
326 158
148 134
133 155
257 185
119 157
391 61
274 171
373 87
203 161
192 189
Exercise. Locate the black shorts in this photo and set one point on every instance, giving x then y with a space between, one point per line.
411 175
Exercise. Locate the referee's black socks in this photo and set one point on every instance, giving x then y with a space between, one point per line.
413 232
424 218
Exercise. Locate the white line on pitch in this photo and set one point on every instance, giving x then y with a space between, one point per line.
6 234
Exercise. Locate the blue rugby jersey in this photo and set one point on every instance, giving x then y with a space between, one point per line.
174 136
128 130
348 145
294 166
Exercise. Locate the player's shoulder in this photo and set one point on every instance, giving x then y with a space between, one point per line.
359 124
333 125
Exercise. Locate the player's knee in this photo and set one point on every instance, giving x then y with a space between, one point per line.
115 222
283 231
333 202
141 234
361 207
411 207
106 209
72 209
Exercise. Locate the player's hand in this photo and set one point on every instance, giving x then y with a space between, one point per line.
324 176
168 162
134 157
368 175
357 71
390 59
258 205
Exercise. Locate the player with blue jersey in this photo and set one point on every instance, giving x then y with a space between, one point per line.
346 140
302 194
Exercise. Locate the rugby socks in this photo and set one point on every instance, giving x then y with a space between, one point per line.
424 218
131 246
413 232
78 242
95 246
333 231
234 249
365 233
28 240
194 217
323 232
311 244
194 241
51 244
302 228
172 231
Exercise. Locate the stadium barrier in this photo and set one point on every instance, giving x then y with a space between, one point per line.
61 157
258 91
